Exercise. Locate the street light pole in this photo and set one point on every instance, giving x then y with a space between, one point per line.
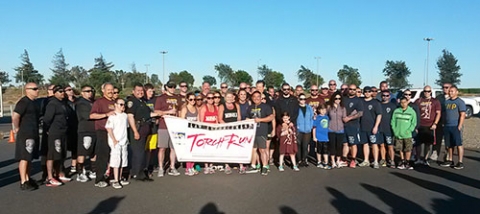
318 61
258 65
146 73
428 55
163 60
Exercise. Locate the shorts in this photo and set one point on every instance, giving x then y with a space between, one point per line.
56 147
369 137
404 145
164 140
322 147
351 133
86 144
72 141
260 142
26 148
118 155
425 135
453 136
386 139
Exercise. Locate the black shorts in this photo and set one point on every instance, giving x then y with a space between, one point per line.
386 139
86 144
72 141
322 148
425 135
56 147
26 148
352 134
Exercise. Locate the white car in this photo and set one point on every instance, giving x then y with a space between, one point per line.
472 103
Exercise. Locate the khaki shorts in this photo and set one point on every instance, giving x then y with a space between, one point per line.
404 145
164 140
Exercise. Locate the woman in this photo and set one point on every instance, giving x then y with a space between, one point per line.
209 114
227 113
338 146
304 129
217 98
243 103
199 101
190 113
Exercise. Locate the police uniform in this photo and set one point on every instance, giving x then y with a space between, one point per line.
141 113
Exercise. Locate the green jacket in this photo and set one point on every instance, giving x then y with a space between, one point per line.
404 122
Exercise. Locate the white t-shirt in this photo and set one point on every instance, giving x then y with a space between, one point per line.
118 123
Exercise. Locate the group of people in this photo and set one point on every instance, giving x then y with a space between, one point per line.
112 133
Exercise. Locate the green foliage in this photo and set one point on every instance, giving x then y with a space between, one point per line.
397 73
242 76
211 80
448 70
4 77
101 73
469 90
26 72
80 76
349 75
182 76
131 78
225 73
61 74
271 77
155 80
308 77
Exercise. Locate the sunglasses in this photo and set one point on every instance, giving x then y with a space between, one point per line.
191 99
427 91
121 104
407 94
367 91
338 98
385 95
243 88
302 98
199 99
313 89
217 97
60 91
324 88
35 89
224 87
446 87
183 86
88 91
352 89
286 89
332 84
209 98
115 92
374 91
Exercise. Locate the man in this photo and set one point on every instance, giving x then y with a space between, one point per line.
25 121
430 112
102 108
344 90
223 89
183 91
386 135
205 88
139 115
262 114
332 87
298 90
454 118
152 139
43 102
286 103
167 104
384 87
354 107
72 126
116 92
370 121
403 123
87 138
374 92
271 93
260 87
439 131
325 93
314 100
243 85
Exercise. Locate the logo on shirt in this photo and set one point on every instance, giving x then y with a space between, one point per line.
324 123
129 104
370 107
388 110
350 105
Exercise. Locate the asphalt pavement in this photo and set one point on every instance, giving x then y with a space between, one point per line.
312 190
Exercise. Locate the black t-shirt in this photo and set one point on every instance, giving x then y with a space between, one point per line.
353 105
139 109
56 117
371 109
260 111
82 109
387 112
29 112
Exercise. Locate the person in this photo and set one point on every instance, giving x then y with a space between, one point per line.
183 86
205 88
286 103
383 86
287 142
271 139
102 108
271 93
262 114
332 87
227 113
116 92
298 90
369 123
152 138
375 92
223 92
324 94
320 137
199 101
336 132
359 92
304 129
430 112
167 104
386 134
260 86
72 127
344 90
217 98
209 114
243 103
354 107
25 119
86 133
408 95
439 130
403 123
55 119
43 102
190 113
117 141
314 100
454 119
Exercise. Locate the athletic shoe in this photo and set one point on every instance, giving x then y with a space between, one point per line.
281 169
65 179
391 164
364 163
427 163
296 169
401 165
434 156
82 178
92 175
459 165
408 166
26 186
160 173
419 162
327 166
264 171
383 163
189 172
334 165
33 183
73 169
53 183
211 170
101 184
376 165
228 170
353 164
124 182
116 185
242 170
320 165
342 164
251 170
271 162
173 172
447 164
155 169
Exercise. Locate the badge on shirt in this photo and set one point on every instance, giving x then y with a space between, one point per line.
129 104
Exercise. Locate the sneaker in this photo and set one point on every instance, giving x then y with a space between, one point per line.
53 183
73 169
295 168
116 185
82 178
264 171
320 165
258 166
124 182
92 175
419 162
353 164
408 166
426 163
401 166
271 162
26 186
383 163
342 164
434 156
281 169
447 164
327 166
33 183
242 170
228 170
251 170
65 179
155 169
334 165
160 173
391 164
459 166
173 172
101 184
376 165
364 163
211 170
206 170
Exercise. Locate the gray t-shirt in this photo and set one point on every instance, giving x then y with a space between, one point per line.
260 111
452 111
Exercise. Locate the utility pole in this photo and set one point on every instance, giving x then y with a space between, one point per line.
146 73
163 62
428 55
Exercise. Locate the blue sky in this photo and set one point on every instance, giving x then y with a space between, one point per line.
281 34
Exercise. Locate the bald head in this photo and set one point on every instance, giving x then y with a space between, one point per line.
31 90
108 90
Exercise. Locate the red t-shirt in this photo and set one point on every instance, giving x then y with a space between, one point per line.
325 97
210 117
164 103
102 106
315 102
428 110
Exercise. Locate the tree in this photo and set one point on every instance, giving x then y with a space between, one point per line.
448 70
155 80
132 78
397 73
271 77
4 77
225 73
101 73
308 77
211 80
26 72
61 75
349 75
187 77
80 76
242 76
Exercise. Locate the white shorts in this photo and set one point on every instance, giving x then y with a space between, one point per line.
118 155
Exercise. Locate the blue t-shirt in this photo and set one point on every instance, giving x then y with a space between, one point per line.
321 127
452 111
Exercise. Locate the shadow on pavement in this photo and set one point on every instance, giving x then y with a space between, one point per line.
7 163
472 158
458 202
450 176
397 203
13 176
343 204
210 208
107 206
287 210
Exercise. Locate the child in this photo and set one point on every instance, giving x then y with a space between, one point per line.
117 140
403 123
320 136
288 141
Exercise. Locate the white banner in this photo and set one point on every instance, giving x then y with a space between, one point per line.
206 142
